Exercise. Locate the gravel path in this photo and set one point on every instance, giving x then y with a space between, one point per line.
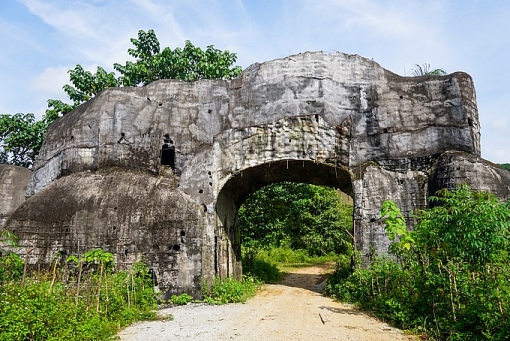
292 310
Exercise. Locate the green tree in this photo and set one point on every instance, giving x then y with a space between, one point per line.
21 136
505 166
452 279
297 216
190 63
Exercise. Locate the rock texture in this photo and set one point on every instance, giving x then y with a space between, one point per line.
159 172
13 187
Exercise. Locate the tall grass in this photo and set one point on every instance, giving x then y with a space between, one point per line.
51 305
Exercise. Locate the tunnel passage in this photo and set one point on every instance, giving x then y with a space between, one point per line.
227 248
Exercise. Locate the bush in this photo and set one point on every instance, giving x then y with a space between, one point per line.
47 308
451 282
11 267
229 290
182 299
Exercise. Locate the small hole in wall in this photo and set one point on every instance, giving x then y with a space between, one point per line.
317 118
114 228
290 140
13 231
205 207
183 233
67 230
470 122
125 252
115 208
122 134
63 252
372 220
210 183
72 137
385 130
160 104
176 247
209 111
209 173
401 97
200 191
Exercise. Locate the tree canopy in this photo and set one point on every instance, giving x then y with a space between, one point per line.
21 136
298 216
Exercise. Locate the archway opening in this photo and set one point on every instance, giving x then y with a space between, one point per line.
288 224
242 185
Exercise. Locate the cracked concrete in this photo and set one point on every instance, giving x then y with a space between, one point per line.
158 172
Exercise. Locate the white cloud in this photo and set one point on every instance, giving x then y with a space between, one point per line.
51 81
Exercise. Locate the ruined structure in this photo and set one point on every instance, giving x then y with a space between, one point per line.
13 186
159 172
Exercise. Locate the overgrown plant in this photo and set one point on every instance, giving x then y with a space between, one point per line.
229 290
77 305
452 279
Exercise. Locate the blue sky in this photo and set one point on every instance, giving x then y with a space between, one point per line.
42 39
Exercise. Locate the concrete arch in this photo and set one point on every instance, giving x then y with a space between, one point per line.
240 185
178 154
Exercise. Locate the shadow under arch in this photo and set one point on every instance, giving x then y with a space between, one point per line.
227 240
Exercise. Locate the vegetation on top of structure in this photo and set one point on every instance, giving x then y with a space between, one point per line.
425 70
21 135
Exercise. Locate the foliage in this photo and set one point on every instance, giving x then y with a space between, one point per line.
261 268
426 71
181 299
11 267
190 63
42 308
229 290
452 281
21 137
7 238
505 166
150 63
267 264
296 216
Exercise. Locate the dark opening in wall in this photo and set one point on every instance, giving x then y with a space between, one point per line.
168 152
168 156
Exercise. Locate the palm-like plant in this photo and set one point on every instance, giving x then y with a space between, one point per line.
424 70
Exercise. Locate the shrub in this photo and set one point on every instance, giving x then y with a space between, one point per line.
44 308
181 299
451 282
229 290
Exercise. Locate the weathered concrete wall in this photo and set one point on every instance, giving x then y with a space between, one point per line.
13 187
331 119
454 168
134 215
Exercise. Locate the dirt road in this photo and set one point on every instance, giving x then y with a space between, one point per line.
292 310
